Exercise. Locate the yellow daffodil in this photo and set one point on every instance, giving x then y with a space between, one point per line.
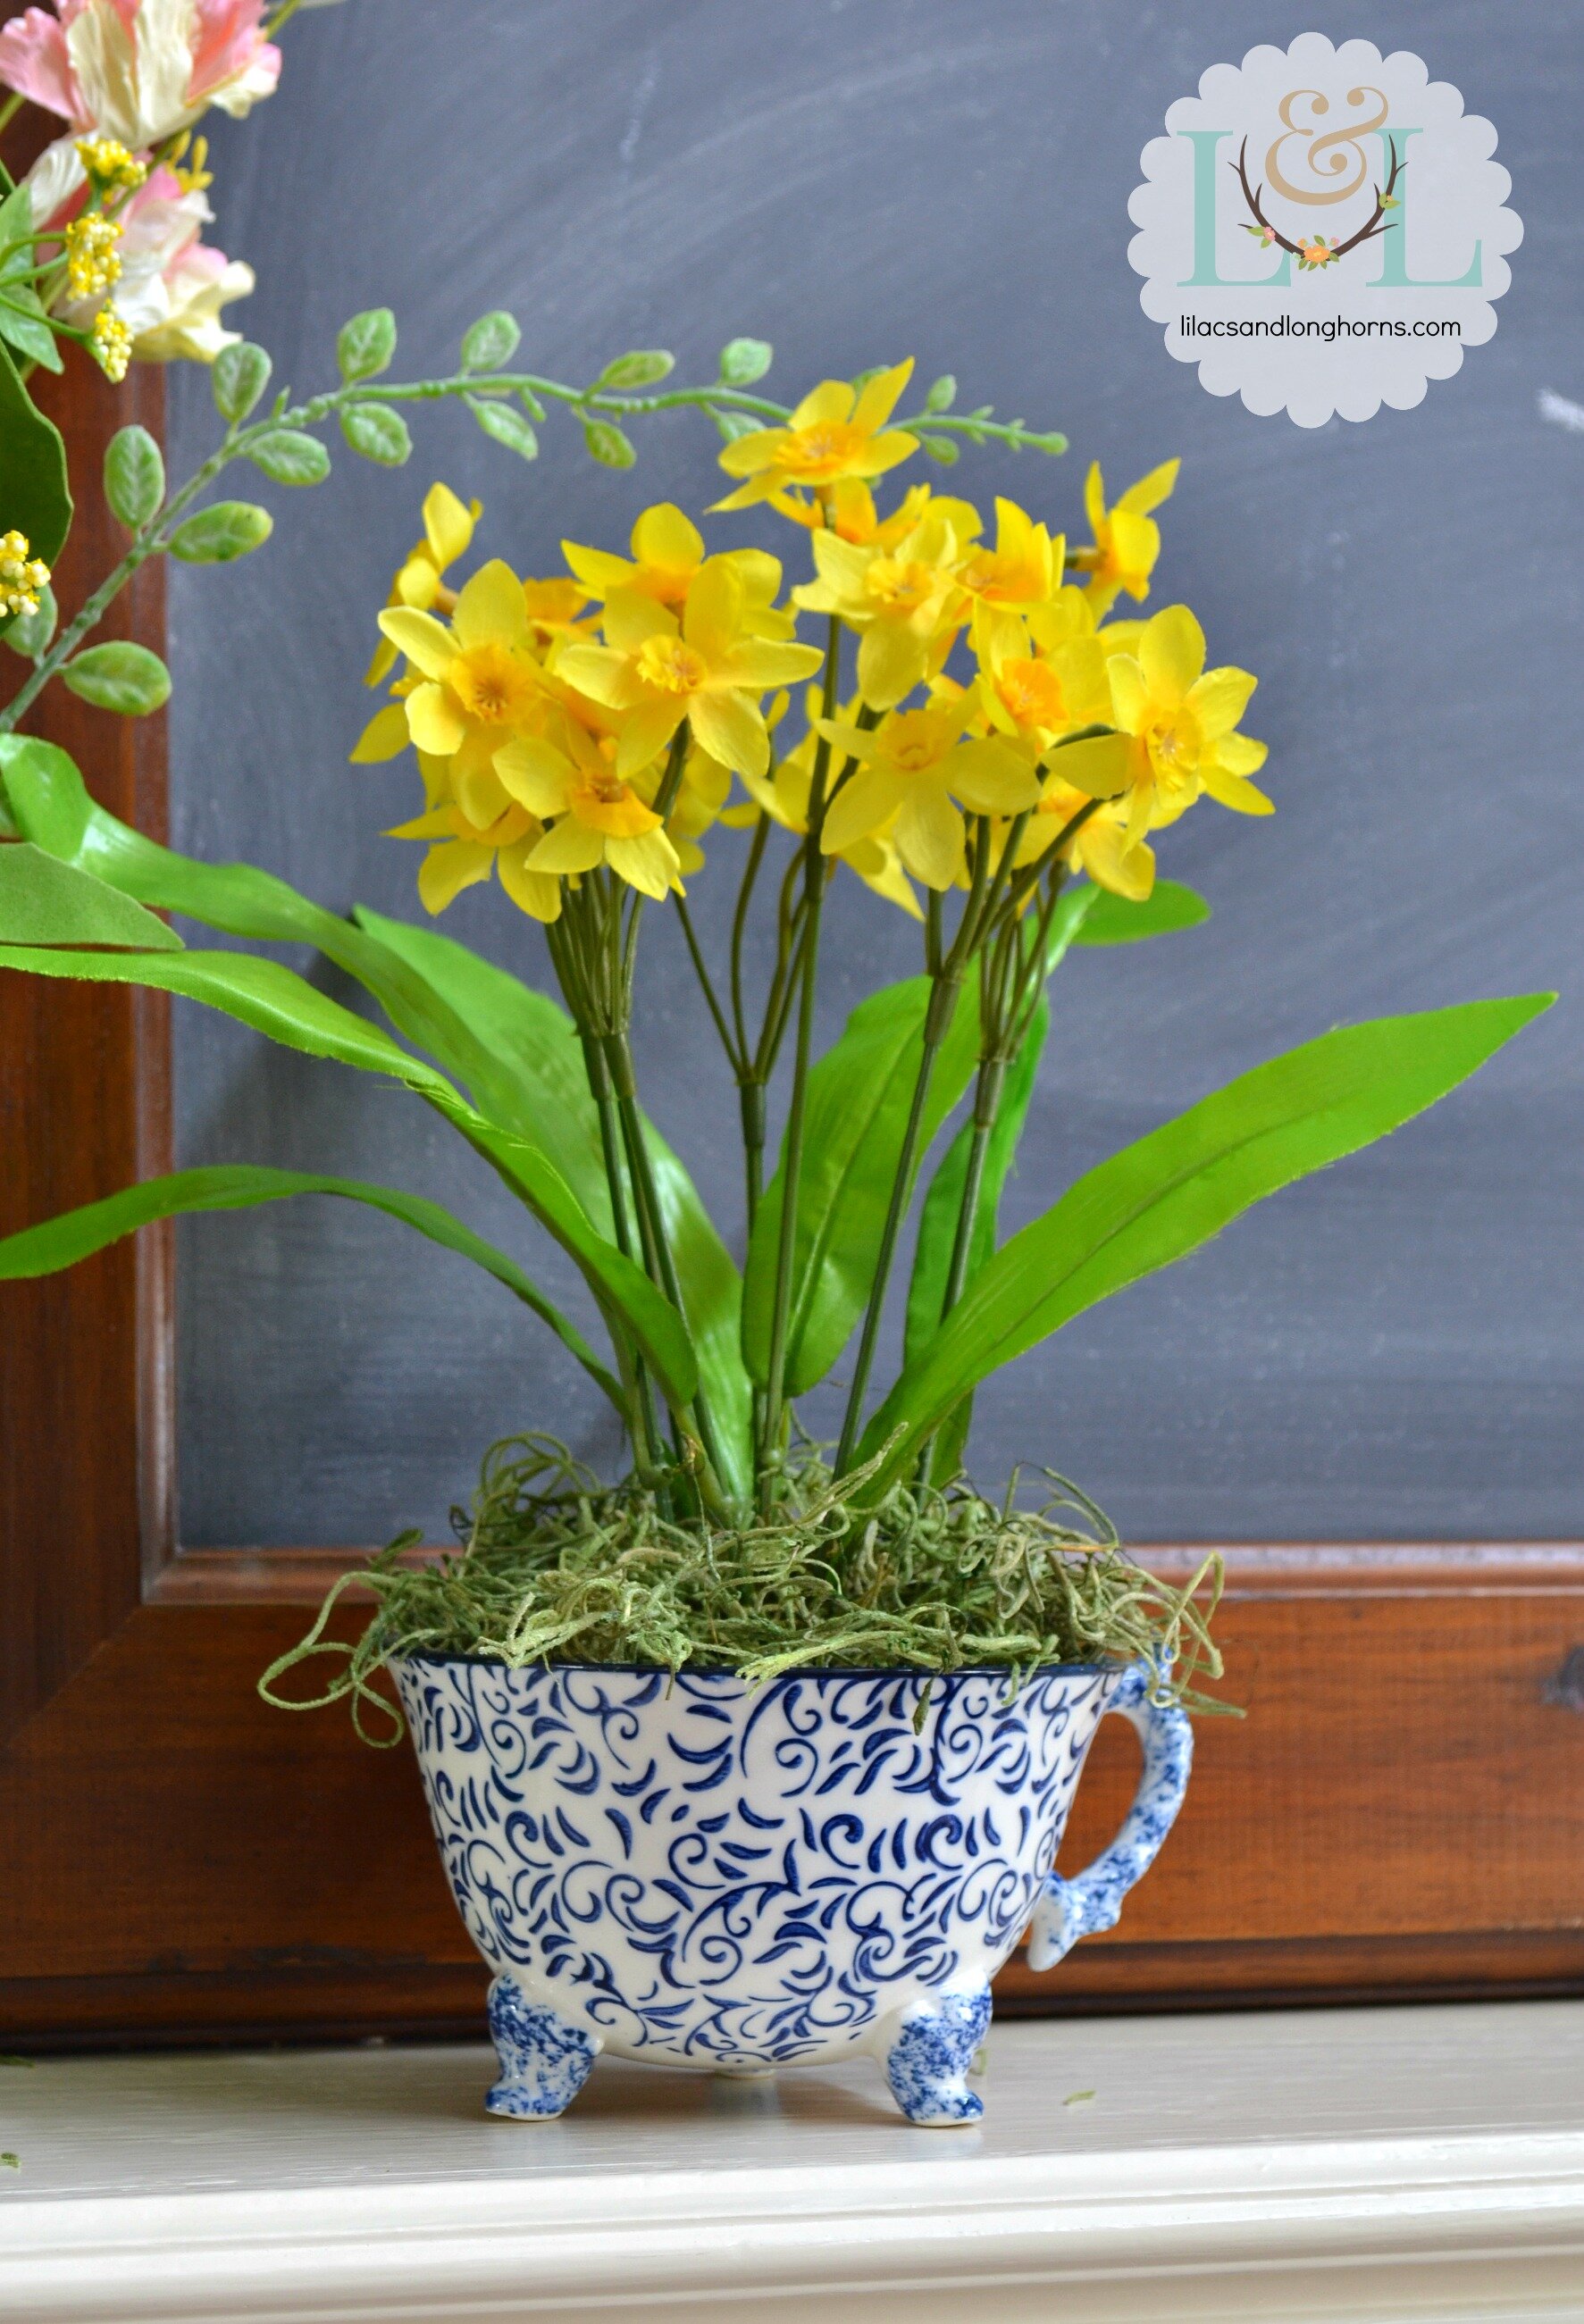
420 581
479 679
783 794
1126 538
1038 697
896 595
599 817
462 853
912 769
1023 571
556 610
1099 847
1181 718
837 432
707 669
667 551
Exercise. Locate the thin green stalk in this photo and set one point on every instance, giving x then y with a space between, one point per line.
813 895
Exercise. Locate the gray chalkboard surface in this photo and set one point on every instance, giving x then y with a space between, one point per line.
1393 1351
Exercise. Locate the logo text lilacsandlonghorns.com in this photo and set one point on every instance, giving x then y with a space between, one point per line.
1317 326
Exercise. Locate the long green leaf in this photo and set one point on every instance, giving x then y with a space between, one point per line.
1173 1190
858 1097
276 1001
45 902
1169 907
530 1035
61 1241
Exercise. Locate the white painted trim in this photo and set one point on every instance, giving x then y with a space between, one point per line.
275 2191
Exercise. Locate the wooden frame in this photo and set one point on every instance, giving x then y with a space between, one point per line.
1401 1814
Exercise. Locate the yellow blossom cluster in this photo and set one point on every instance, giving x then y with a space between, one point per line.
602 716
22 575
93 260
110 341
111 167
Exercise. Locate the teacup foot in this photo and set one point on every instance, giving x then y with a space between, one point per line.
545 2060
929 2048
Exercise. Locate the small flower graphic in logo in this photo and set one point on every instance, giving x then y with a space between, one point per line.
1313 250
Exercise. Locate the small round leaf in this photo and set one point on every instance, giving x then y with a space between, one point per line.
119 677
743 361
506 425
642 368
608 445
288 455
240 376
941 448
135 476
942 395
218 535
490 342
379 433
365 344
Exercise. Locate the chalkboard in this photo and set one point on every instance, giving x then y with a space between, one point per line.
1394 1350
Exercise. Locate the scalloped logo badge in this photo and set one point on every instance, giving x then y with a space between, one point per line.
1322 230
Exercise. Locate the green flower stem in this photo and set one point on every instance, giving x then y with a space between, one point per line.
813 899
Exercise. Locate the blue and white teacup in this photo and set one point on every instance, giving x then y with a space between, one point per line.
701 1873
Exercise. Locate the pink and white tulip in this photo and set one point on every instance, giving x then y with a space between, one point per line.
140 71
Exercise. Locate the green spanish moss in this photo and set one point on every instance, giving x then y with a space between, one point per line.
556 1567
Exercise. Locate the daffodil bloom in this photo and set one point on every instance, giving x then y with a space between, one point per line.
701 796
1099 848
599 816
556 610
1022 571
462 853
783 795
479 677
912 770
1126 538
420 580
707 669
1038 697
837 432
668 550
896 595
1181 718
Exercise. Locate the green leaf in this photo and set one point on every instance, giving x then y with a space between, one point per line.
121 676
937 1224
490 342
47 796
608 445
75 1235
940 448
22 325
377 433
642 368
30 633
942 395
135 476
240 376
1112 920
505 424
365 346
220 534
528 1037
46 902
1172 1191
858 1097
290 455
34 495
273 1001
743 361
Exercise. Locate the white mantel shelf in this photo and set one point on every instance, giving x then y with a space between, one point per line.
1362 2164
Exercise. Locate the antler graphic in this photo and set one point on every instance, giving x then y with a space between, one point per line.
1376 223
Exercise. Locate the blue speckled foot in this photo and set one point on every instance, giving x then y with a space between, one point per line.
545 2060
933 2047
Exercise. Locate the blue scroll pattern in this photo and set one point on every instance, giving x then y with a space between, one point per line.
705 1874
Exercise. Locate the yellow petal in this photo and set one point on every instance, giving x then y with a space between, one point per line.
630 617
418 584
492 607
600 672
1219 700
715 608
448 526
729 727
757 664
1097 766
1234 791
434 722
1129 696
1240 754
537 893
646 734
434 823
447 868
831 400
929 836
878 398
749 456
568 846
478 790
991 778
536 774
859 808
892 660
596 568
648 863
1102 849
1150 491
1094 498
1172 653
427 643
385 736
664 536
885 452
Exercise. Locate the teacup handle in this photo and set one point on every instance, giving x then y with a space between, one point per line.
1092 1899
